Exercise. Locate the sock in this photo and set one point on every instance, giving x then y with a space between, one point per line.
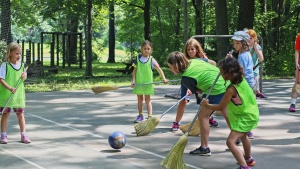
4 133
294 100
141 113
23 133
149 115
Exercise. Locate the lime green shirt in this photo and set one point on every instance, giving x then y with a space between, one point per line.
243 112
143 75
205 74
12 77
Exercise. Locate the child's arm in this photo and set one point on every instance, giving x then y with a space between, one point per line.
3 83
133 76
230 92
160 71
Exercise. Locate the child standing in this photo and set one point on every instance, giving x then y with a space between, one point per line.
257 56
198 75
294 94
142 73
240 42
243 110
192 50
10 72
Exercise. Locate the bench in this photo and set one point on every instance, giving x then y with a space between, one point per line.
127 70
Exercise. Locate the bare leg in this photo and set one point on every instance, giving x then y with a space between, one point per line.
140 103
235 150
4 121
21 121
204 126
246 145
149 104
180 110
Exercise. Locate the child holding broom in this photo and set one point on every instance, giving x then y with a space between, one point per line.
192 50
10 72
200 75
142 73
243 110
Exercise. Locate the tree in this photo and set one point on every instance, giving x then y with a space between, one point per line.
88 70
147 20
221 27
5 21
246 14
111 39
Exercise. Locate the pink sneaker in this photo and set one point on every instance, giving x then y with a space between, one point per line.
3 139
25 139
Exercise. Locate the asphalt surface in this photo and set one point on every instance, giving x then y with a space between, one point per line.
70 130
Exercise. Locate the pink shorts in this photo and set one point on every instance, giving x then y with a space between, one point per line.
8 109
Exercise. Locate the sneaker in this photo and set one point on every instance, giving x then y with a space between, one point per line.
201 151
139 118
212 122
241 167
250 135
25 139
3 139
238 142
250 161
175 126
148 117
261 96
292 108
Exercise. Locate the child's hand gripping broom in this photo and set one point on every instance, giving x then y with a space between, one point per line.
101 89
145 127
11 95
174 160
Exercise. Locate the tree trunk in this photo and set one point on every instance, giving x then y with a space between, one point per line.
198 4
162 37
186 30
5 21
221 28
246 14
147 20
111 39
72 26
88 70
177 26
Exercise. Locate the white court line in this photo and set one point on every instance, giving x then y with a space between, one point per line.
27 161
99 136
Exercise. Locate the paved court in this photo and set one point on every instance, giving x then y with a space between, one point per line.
69 130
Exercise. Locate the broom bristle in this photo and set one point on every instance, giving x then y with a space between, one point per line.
100 89
145 127
174 160
195 130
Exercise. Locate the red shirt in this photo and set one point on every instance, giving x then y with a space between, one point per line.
297 42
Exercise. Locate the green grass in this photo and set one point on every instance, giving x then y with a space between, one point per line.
73 78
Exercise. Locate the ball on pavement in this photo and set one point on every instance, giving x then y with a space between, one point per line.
117 140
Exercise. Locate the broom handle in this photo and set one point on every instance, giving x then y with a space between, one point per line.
12 93
150 83
173 106
190 127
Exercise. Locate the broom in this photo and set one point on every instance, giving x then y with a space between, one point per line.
101 89
145 127
174 160
195 130
11 95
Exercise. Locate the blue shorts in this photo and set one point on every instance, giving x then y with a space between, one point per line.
183 93
214 99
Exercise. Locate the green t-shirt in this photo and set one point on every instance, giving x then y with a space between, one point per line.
12 77
143 75
243 113
204 74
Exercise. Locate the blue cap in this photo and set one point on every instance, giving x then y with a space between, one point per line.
241 35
